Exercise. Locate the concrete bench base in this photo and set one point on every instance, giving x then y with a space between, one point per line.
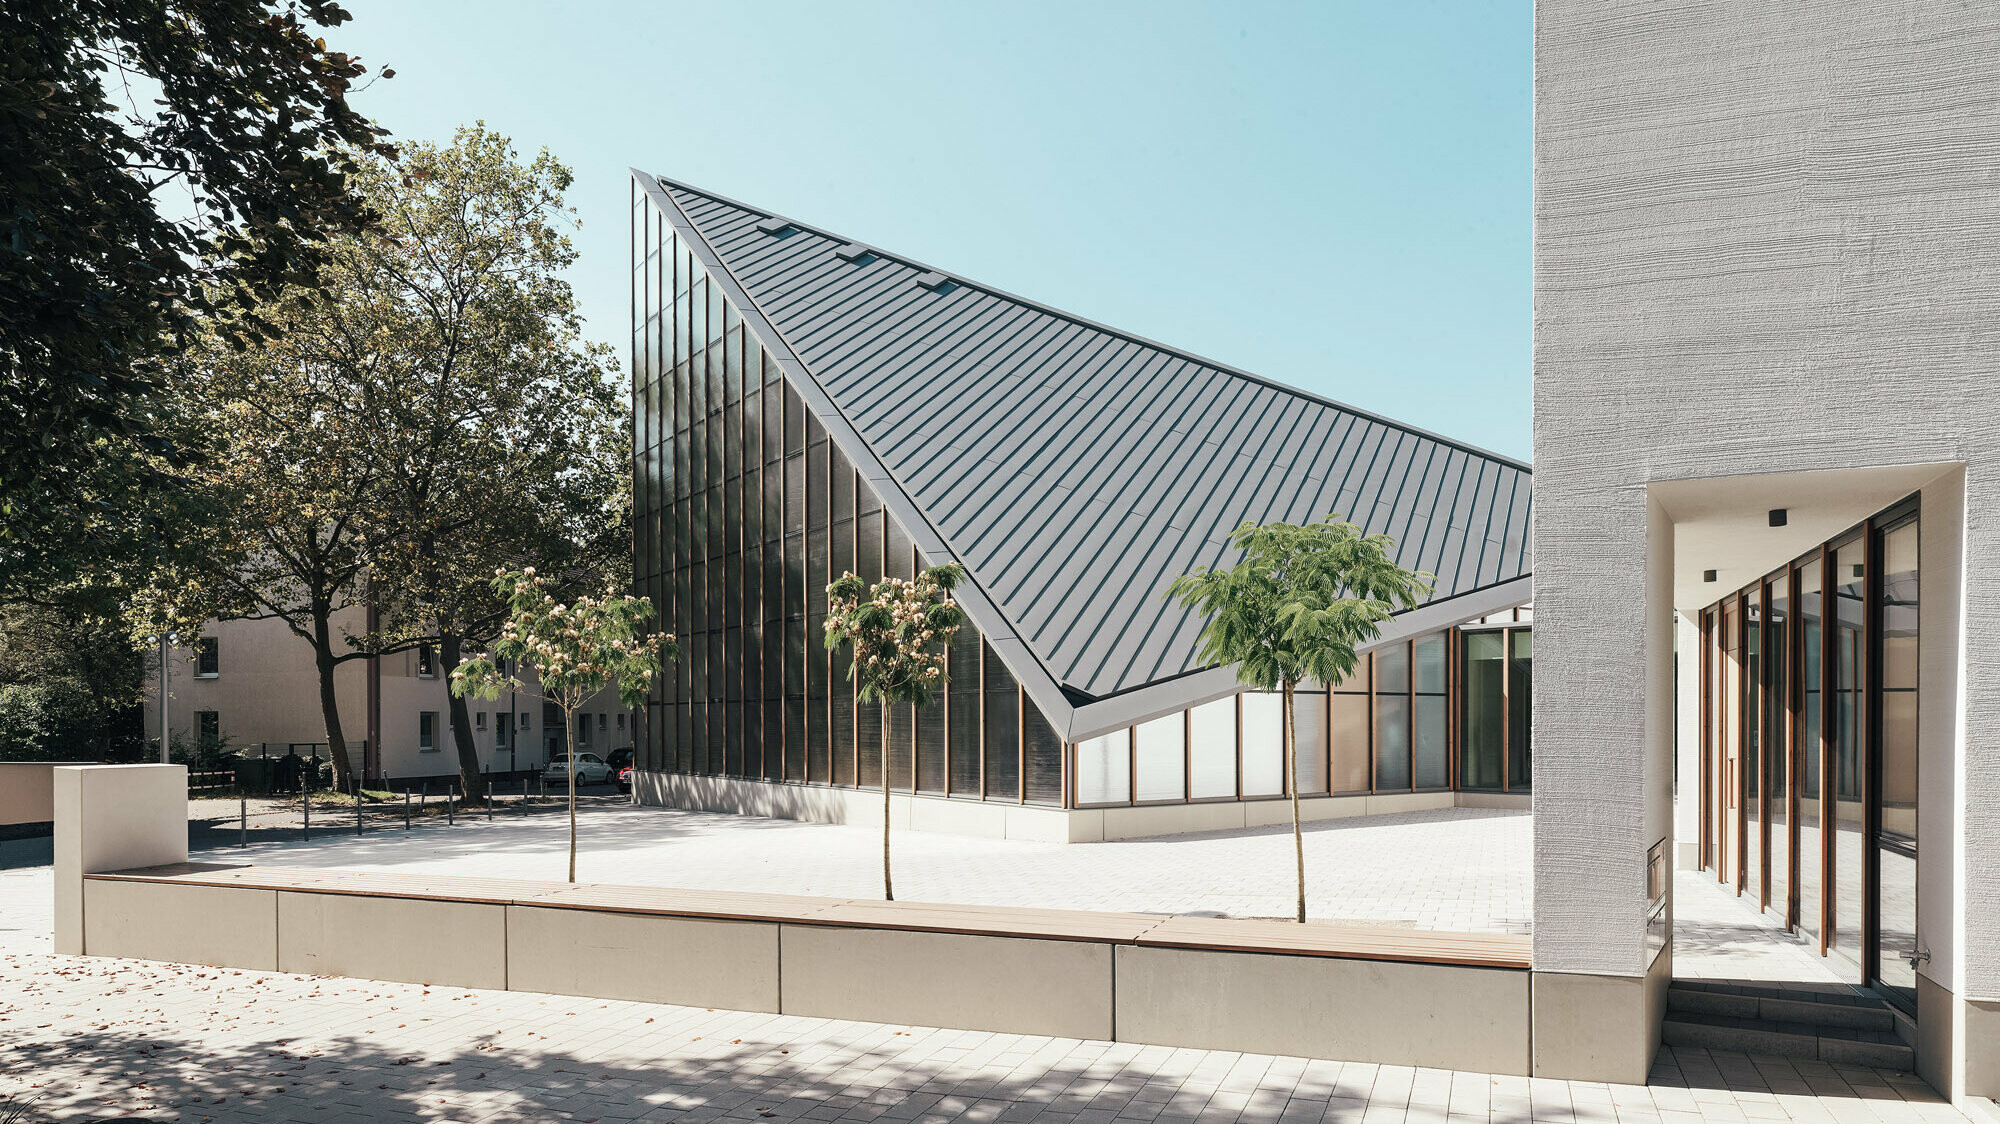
1397 996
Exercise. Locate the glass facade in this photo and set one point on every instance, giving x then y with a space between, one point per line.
744 510
1809 690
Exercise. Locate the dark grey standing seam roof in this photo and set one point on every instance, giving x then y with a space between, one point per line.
1074 470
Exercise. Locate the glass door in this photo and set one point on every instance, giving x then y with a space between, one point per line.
1895 804
1846 819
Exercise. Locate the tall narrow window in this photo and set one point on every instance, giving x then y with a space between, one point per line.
1520 709
1392 717
1812 880
1263 743
1350 728
962 711
1429 721
1212 749
1161 751
1896 732
1044 751
427 729
1001 729
207 657
1309 739
1483 730
1104 768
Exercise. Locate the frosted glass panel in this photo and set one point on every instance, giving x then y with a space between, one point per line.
1104 769
1263 744
1162 754
1309 717
1212 749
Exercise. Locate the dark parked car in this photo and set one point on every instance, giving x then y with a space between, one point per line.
620 758
625 779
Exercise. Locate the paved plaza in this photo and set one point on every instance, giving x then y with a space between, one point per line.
106 1039
1462 869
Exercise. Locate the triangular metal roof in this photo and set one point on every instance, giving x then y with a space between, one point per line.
1074 469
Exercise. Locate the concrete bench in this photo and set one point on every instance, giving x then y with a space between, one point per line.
1402 996
125 887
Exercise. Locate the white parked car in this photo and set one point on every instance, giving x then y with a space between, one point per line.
590 769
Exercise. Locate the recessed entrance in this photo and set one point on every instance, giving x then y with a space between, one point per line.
1807 784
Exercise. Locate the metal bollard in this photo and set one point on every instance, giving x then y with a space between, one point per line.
451 803
489 796
357 805
306 798
524 794
243 821
406 809
423 798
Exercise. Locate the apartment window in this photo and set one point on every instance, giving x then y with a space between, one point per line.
427 725
502 734
601 719
583 729
621 721
426 662
207 657
479 720
208 728
525 724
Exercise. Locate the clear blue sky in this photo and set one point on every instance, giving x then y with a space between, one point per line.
1335 195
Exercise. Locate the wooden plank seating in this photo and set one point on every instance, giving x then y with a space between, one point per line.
1353 942
1216 934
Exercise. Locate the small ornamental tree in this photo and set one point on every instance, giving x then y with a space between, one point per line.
897 631
1294 607
577 650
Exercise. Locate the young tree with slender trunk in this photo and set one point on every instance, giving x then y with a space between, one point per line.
898 631
577 649
1295 606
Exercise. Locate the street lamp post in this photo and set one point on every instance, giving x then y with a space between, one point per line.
167 642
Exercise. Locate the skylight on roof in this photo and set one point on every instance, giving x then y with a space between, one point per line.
854 252
936 282
774 225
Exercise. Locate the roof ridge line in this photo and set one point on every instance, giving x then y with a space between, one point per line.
1121 333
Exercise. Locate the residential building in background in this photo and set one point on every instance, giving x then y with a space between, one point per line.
807 405
251 686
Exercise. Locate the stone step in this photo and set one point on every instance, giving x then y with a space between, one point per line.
1774 1005
1836 1045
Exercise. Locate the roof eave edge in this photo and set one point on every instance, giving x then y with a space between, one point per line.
1146 703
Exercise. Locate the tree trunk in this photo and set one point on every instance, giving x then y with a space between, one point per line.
329 706
888 888
1292 783
569 720
470 779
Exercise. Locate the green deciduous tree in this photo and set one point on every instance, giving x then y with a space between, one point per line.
71 684
897 631
432 416
500 434
577 649
166 167
1294 607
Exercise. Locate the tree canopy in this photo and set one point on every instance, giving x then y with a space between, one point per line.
1297 603
429 417
167 167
